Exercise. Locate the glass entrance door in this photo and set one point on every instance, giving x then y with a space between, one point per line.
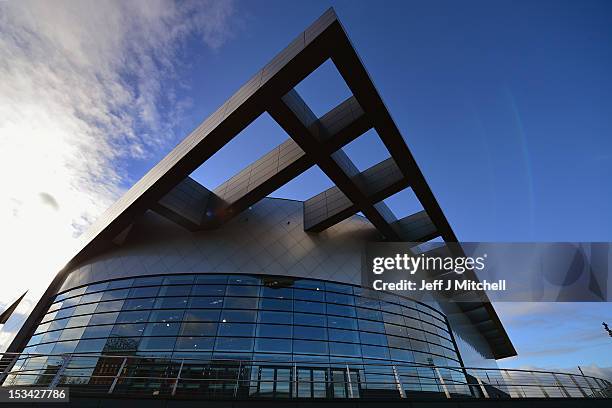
272 382
312 382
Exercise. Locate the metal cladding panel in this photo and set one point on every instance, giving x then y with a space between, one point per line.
267 239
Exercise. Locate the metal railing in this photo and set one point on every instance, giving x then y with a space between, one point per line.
130 375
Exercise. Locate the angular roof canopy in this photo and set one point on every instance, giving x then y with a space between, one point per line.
168 190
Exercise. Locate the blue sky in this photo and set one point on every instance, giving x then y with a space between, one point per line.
505 105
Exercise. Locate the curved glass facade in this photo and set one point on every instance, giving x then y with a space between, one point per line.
213 317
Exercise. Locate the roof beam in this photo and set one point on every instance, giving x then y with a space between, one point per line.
186 204
332 205
417 227
296 118
359 82
194 207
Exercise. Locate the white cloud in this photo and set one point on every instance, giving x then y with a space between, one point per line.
81 85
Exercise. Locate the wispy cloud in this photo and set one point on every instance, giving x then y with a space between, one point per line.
84 87
557 334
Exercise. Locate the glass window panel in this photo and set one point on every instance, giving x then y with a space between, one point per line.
344 349
234 344
367 302
34 340
402 355
349 336
306 294
423 358
182 290
395 330
115 294
78 321
90 346
273 345
171 303
91 297
236 290
393 318
178 280
194 343
58 324
308 284
104 318
410 313
75 292
274 330
138 304
434 348
72 334
340 298
312 333
309 307
420 346
341 310
166 316
432 338
128 330
133 317
147 292
49 316
391 308
243 280
232 316
236 329
205 302
308 319
310 347
157 343
211 279
202 315
338 287
375 352
277 292
208 290
369 314
71 302
240 303
373 339
387 297
97 287
342 322
64 347
148 281
162 329
85 309
45 348
399 342
43 327
121 283
275 317
368 325
121 344
97 331
112 306
276 304
51 336
198 328
64 313
415 334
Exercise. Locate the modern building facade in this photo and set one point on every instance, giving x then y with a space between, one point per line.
182 291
